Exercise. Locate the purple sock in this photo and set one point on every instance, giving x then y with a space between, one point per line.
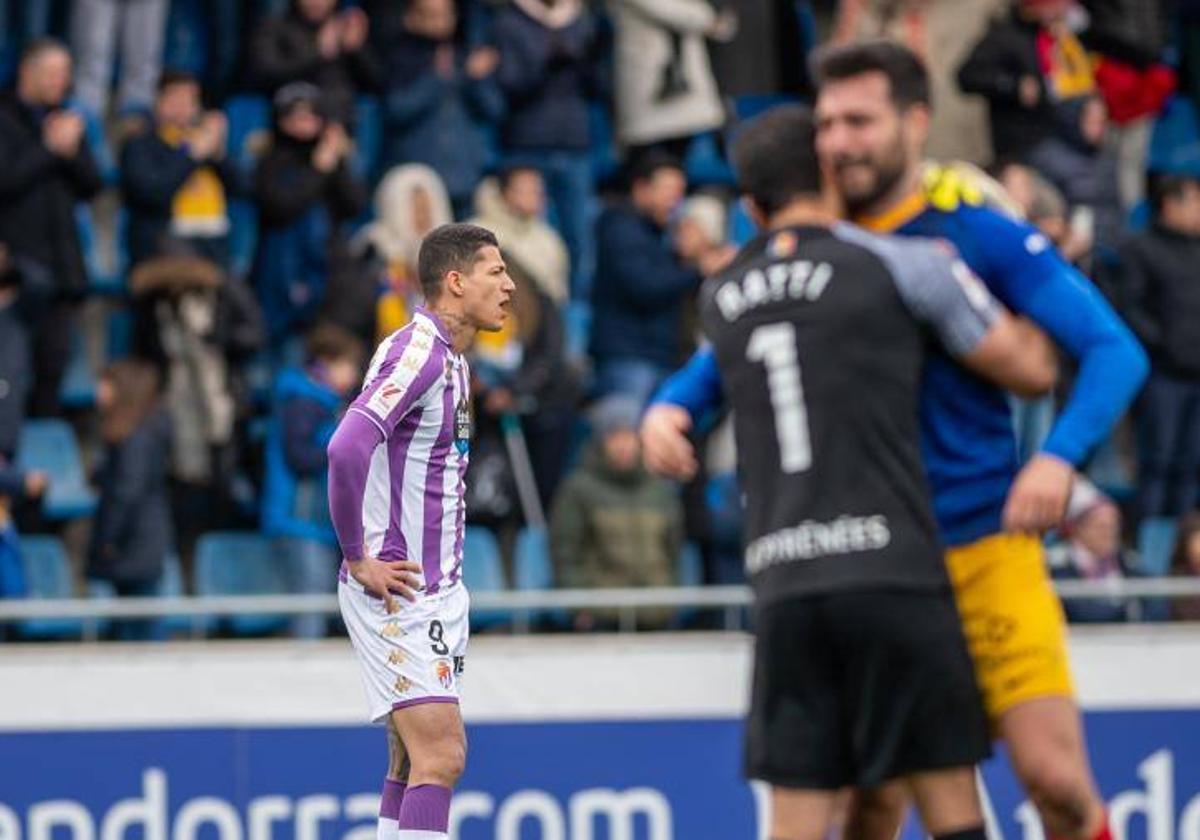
389 803
426 808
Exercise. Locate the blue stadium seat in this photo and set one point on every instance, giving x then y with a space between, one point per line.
102 279
605 160
532 568
249 116
1175 140
577 321
705 165
534 572
1156 541
78 389
171 586
50 446
741 226
368 136
241 563
690 567
483 571
249 121
47 576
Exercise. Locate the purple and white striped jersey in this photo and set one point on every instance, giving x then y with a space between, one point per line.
411 505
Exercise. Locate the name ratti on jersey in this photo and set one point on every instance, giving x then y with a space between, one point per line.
796 279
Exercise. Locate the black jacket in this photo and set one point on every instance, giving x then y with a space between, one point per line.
1007 53
547 75
1159 295
284 49
38 194
639 291
132 533
16 363
152 172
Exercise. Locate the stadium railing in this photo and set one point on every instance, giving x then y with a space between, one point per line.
523 605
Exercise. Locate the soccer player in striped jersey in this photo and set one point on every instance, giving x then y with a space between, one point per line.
397 465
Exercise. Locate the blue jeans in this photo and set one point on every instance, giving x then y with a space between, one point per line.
1168 425
634 378
568 177
312 570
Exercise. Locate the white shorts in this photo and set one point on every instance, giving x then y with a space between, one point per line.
416 654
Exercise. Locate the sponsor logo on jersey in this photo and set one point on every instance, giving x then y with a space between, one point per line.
391 630
444 671
396 657
402 685
1035 243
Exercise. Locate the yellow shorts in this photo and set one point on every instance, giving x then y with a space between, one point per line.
1013 620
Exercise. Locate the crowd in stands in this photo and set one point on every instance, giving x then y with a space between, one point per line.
210 212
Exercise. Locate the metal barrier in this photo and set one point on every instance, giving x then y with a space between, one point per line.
522 605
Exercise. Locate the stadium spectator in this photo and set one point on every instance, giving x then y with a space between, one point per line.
96 27
1185 562
315 42
305 189
199 327
701 228
295 511
549 71
1034 74
24 287
1091 551
47 169
1045 108
1042 205
1160 298
523 370
439 97
613 524
1127 38
410 201
132 531
513 206
665 90
641 283
942 34
174 177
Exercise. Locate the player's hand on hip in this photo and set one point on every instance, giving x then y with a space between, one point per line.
385 578
666 449
1038 498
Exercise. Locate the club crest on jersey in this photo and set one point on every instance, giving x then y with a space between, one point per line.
783 245
444 671
462 426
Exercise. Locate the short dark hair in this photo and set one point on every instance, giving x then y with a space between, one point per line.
449 248
42 44
1161 186
506 174
775 157
905 72
645 165
330 341
174 76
